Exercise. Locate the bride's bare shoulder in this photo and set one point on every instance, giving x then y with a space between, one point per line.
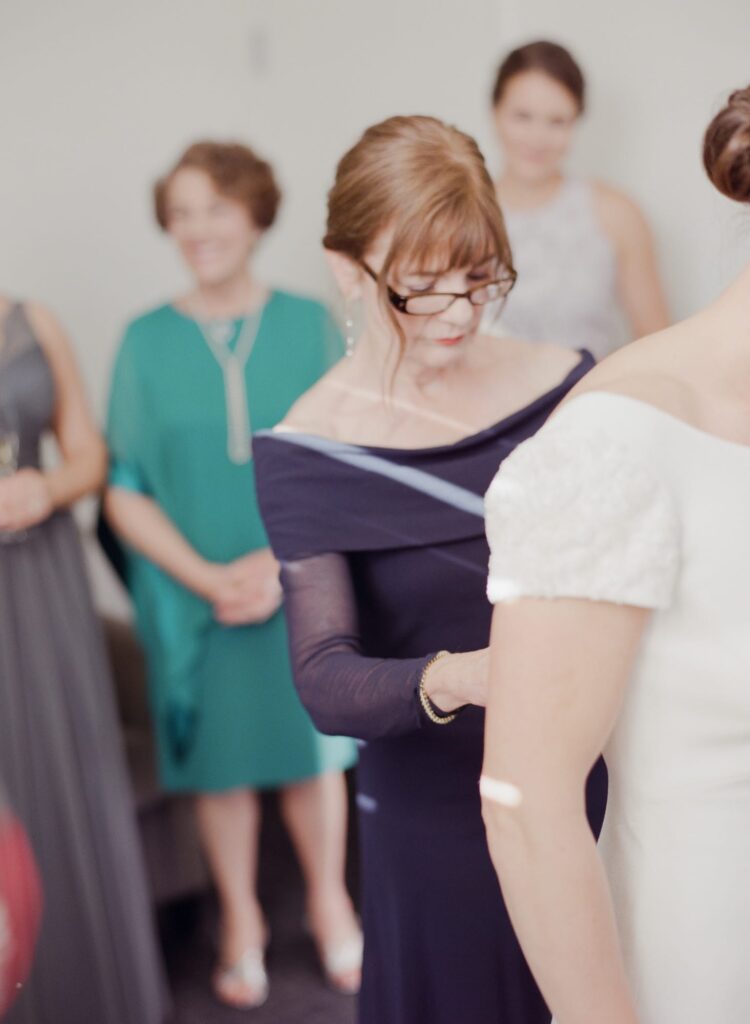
645 370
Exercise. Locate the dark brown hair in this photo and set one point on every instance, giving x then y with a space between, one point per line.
236 172
726 147
552 59
428 182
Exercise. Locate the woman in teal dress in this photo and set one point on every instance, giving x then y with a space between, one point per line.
193 380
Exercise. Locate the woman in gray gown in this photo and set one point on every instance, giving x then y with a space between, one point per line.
60 754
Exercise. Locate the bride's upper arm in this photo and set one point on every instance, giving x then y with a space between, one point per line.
558 672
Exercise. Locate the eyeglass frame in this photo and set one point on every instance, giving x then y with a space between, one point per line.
399 302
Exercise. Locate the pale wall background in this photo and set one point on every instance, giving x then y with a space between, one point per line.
98 97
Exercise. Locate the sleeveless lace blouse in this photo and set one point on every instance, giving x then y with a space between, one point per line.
567 275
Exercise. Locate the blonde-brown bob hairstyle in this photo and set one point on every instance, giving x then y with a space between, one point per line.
427 182
236 172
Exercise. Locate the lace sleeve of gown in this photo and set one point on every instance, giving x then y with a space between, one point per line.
573 513
345 692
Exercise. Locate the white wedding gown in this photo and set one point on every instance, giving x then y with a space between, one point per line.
615 500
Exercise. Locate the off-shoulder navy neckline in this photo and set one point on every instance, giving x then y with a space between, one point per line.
505 423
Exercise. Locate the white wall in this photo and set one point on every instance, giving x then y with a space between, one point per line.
97 97
100 97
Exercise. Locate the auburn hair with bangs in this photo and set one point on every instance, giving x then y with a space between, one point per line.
428 183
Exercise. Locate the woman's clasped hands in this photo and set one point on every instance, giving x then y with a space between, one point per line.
25 500
246 590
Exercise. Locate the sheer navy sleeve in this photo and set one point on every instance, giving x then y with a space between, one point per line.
383 551
345 692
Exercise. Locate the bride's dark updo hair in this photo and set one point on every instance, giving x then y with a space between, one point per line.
726 147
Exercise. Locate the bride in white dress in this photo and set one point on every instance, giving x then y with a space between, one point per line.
620 569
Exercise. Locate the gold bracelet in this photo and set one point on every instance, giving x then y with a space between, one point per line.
427 706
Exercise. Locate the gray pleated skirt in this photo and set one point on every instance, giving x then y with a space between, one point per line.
61 759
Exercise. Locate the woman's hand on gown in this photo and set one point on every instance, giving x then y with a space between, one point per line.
25 500
247 590
459 679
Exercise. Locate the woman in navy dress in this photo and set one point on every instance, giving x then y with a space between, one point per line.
371 494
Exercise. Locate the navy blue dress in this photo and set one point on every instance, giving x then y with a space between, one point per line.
384 562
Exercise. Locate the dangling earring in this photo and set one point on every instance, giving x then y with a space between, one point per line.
349 338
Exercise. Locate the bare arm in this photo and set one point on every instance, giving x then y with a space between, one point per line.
141 523
638 279
84 455
30 495
558 671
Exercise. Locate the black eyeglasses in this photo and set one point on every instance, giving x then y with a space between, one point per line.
431 303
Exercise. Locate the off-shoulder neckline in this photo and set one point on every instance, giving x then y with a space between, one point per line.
705 435
471 439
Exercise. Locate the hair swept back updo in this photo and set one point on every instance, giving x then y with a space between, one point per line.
726 147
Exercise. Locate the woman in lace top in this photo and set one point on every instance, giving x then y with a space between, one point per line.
370 491
619 567
582 249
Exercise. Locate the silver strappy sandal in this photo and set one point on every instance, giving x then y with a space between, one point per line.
342 958
250 972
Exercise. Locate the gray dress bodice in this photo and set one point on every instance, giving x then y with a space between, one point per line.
566 290
27 389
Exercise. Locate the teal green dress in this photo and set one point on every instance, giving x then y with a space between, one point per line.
224 705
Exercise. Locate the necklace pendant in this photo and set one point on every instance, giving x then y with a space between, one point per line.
240 451
232 362
221 332
238 416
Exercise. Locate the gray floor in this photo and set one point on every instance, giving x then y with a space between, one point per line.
298 992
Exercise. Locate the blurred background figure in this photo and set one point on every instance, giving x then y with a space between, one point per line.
193 379
20 905
60 748
371 492
583 249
